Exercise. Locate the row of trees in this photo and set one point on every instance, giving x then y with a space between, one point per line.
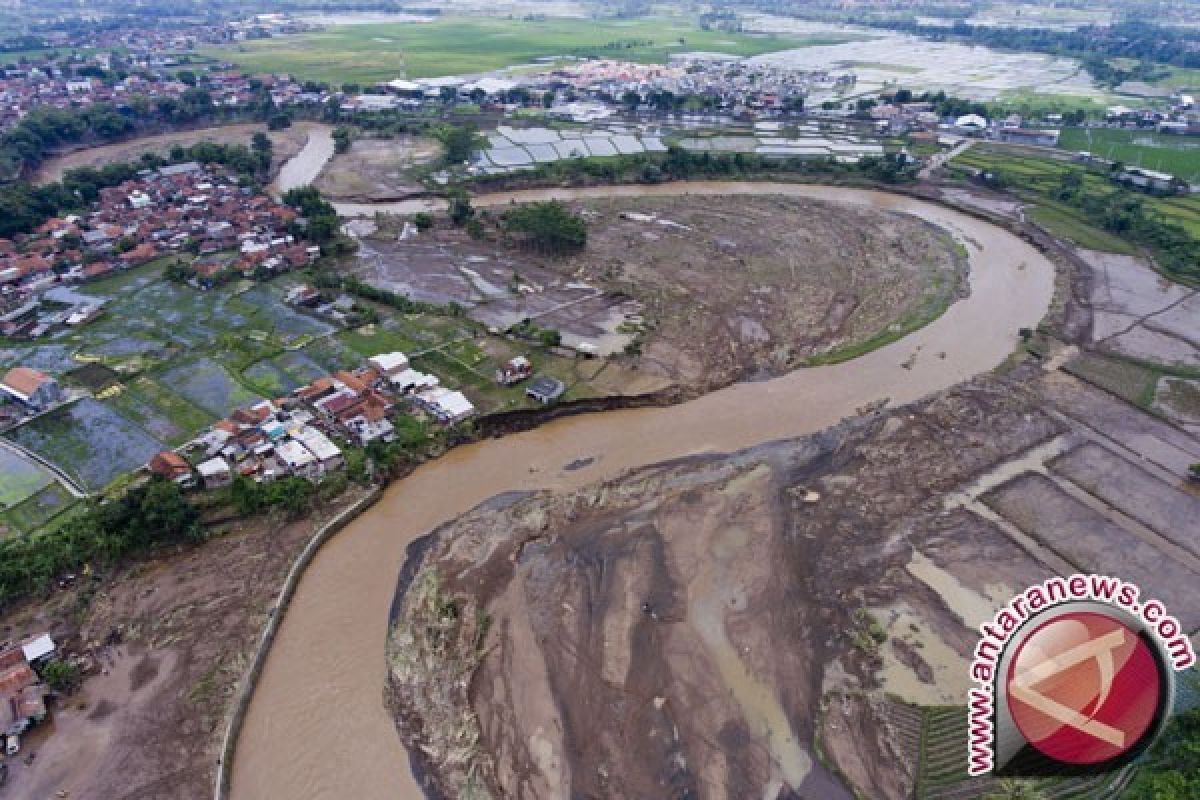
144 518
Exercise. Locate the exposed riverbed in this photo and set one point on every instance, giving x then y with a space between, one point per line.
317 727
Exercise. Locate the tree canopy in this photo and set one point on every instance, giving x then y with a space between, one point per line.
548 227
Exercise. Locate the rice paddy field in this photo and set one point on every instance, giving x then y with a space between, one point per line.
20 478
457 45
90 441
1178 155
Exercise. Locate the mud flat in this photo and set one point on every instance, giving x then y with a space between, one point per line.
316 726
378 169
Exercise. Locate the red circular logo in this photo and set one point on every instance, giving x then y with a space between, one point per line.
1084 688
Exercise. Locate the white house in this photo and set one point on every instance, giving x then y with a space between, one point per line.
215 473
389 364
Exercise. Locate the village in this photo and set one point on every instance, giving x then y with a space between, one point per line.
186 209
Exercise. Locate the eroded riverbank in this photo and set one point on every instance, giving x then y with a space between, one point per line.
317 727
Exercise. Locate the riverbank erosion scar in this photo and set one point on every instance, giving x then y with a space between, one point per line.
323 679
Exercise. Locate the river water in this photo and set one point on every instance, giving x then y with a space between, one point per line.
317 727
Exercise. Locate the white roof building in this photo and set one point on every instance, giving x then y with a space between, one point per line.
296 457
38 647
411 379
317 443
214 469
447 405
389 363
971 121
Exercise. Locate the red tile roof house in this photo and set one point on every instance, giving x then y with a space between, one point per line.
22 695
33 389
173 467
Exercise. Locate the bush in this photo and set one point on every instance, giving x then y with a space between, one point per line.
62 676
423 221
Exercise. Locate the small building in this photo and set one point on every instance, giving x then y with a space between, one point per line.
298 459
971 123
32 388
37 648
447 406
1028 136
1147 178
326 453
389 364
215 473
545 389
514 371
172 466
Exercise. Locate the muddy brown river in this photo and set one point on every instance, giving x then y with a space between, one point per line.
317 727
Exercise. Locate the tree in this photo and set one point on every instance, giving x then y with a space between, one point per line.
423 221
341 139
186 76
548 100
548 227
260 143
459 142
460 206
1171 768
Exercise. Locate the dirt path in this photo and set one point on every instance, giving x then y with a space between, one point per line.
317 727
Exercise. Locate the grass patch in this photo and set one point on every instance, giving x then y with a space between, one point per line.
1065 224
456 45
1178 155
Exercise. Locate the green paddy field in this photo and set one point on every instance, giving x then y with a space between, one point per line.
455 46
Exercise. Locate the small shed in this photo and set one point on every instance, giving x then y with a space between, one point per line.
545 389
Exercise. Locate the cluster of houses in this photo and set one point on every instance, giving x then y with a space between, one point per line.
77 81
178 208
296 435
22 692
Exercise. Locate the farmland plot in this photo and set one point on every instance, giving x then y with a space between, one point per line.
209 386
89 440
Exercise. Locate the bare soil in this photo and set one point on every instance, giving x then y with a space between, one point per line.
167 642
711 289
378 169
729 626
287 143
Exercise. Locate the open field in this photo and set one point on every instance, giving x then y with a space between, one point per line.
1178 155
452 46
1181 78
